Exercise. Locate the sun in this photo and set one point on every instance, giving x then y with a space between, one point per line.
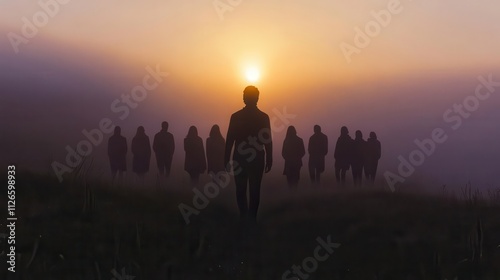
252 74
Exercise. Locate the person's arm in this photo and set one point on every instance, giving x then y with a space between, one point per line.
268 146
325 147
230 139
171 146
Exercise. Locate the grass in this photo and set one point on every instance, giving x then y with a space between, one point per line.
84 230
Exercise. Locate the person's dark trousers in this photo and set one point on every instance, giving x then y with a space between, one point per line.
370 171
357 173
163 165
250 177
340 175
314 174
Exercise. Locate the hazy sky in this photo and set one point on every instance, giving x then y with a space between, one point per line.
425 59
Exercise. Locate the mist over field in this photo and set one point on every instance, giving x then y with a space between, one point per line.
51 95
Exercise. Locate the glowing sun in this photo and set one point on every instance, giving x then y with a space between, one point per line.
252 74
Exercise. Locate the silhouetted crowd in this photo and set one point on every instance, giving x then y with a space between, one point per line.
359 155
249 144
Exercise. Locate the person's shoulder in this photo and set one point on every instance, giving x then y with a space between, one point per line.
262 112
237 114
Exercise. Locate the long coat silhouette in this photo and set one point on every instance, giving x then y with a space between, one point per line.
343 154
195 162
117 152
215 150
293 151
250 133
358 158
318 149
373 154
141 149
164 146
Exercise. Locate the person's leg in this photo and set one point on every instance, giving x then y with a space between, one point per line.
161 165
374 171
254 182
337 174
342 176
241 182
312 173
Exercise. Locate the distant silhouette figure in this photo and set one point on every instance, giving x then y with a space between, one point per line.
117 152
164 146
317 148
343 154
215 150
293 151
195 162
373 153
358 158
141 149
250 133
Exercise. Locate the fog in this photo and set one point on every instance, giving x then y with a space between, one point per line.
49 96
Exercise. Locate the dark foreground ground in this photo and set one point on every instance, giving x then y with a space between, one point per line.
75 232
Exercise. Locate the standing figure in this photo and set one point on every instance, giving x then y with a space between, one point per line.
117 153
141 149
250 133
373 153
358 158
215 151
343 153
318 149
195 162
164 146
293 152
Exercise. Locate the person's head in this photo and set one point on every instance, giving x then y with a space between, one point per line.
344 131
291 131
193 131
317 129
164 126
251 96
141 130
359 135
118 130
373 135
215 131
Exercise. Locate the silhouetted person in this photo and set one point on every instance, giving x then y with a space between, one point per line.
293 151
358 158
317 148
195 162
164 146
250 133
215 151
373 153
117 152
141 149
343 154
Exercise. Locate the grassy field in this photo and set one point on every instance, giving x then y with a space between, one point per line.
82 231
